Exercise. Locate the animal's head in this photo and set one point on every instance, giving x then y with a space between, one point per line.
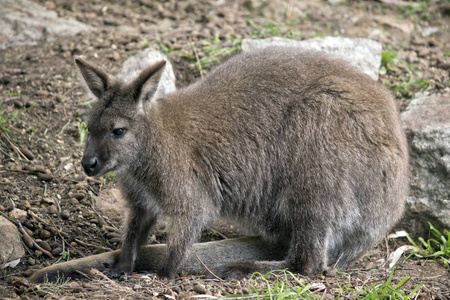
116 121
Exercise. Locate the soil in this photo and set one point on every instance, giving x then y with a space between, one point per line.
41 180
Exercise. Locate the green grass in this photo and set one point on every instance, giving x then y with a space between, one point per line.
285 285
215 52
109 177
420 8
383 290
271 29
83 130
436 248
279 285
212 52
65 255
408 84
6 118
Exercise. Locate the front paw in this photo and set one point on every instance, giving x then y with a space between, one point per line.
164 274
115 272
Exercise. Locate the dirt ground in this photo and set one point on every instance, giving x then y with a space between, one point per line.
70 214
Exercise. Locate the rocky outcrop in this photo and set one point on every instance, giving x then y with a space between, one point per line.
11 248
24 22
364 54
427 125
133 66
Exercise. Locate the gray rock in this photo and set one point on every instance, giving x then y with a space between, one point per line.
11 247
135 64
24 22
362 53
427 125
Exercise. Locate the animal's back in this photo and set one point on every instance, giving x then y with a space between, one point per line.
283 138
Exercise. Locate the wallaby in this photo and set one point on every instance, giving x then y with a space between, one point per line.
300 148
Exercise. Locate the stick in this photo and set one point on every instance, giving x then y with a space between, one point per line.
26 234
211 272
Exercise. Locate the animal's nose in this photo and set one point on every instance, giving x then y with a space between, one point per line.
89 164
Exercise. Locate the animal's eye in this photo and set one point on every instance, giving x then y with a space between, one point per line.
118 132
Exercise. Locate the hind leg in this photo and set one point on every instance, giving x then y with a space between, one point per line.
308 250
350 247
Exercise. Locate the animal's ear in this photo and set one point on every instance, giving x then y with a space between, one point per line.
96 78
145 85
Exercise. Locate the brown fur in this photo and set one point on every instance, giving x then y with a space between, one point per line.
295 145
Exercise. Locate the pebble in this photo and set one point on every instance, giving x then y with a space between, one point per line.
28 154
18 104
39 168
200 288
331 272
26 205
370 265
57 251
42 93
77 196
52 209
45 234
48 200
31 261
44 245
65 214
18 213
28 241
45 177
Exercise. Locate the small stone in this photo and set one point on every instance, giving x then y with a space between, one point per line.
39 169
28 154
38 253
45 234
18 104
31 261
17 213
44 245
423 52
370 265
26 205
45 177
52 209
28 241
78 196
48 200
42 93
65 214
57 251
116 56
28 225
331 272
200 288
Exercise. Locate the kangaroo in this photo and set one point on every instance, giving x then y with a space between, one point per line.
298 147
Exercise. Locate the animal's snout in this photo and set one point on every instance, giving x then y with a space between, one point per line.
90 165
